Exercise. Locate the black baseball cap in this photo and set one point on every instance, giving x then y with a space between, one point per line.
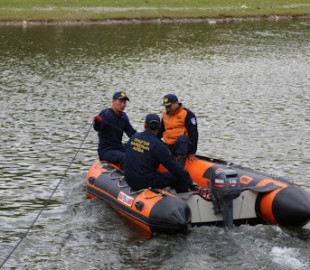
152 120
120 95
169 99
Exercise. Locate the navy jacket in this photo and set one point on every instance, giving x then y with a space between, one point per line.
144 154
111 130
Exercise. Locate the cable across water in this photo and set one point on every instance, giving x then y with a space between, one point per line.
48 200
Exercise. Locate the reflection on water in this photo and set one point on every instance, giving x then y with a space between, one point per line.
247 83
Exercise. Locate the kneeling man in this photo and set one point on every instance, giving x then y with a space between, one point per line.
144 154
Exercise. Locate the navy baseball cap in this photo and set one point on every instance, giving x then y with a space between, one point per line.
120 95
152 120
169 99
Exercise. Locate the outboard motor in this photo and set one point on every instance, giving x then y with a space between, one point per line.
225 187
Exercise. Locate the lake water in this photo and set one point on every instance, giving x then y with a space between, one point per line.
249 85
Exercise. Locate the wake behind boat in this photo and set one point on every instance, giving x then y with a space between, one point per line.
231 194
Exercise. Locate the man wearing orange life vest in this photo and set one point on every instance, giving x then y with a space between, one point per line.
179 129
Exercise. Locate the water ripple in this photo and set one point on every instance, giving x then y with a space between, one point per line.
247 83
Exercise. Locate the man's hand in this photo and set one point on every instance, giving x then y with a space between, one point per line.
191 157
193 186
97 119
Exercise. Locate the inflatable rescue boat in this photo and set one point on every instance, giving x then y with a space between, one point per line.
229 195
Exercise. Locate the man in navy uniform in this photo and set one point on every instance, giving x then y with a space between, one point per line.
144 154
111 124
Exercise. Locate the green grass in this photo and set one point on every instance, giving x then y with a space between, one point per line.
145 3
147 9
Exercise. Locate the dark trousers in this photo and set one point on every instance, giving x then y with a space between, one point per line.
180 147
166 179
113 156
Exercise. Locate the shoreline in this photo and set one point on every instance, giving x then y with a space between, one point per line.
81 12
165 20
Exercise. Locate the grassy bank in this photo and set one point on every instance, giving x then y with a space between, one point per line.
96 10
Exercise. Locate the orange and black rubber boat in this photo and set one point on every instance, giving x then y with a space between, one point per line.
229 195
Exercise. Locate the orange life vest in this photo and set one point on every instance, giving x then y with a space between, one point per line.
174 125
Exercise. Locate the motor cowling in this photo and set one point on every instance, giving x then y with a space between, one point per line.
225 187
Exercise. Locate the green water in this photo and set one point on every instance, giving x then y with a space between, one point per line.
248 85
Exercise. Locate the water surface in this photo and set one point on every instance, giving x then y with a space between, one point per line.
248 84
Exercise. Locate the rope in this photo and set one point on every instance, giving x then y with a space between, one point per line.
48 200
152 196
119 177
120 185
132 191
